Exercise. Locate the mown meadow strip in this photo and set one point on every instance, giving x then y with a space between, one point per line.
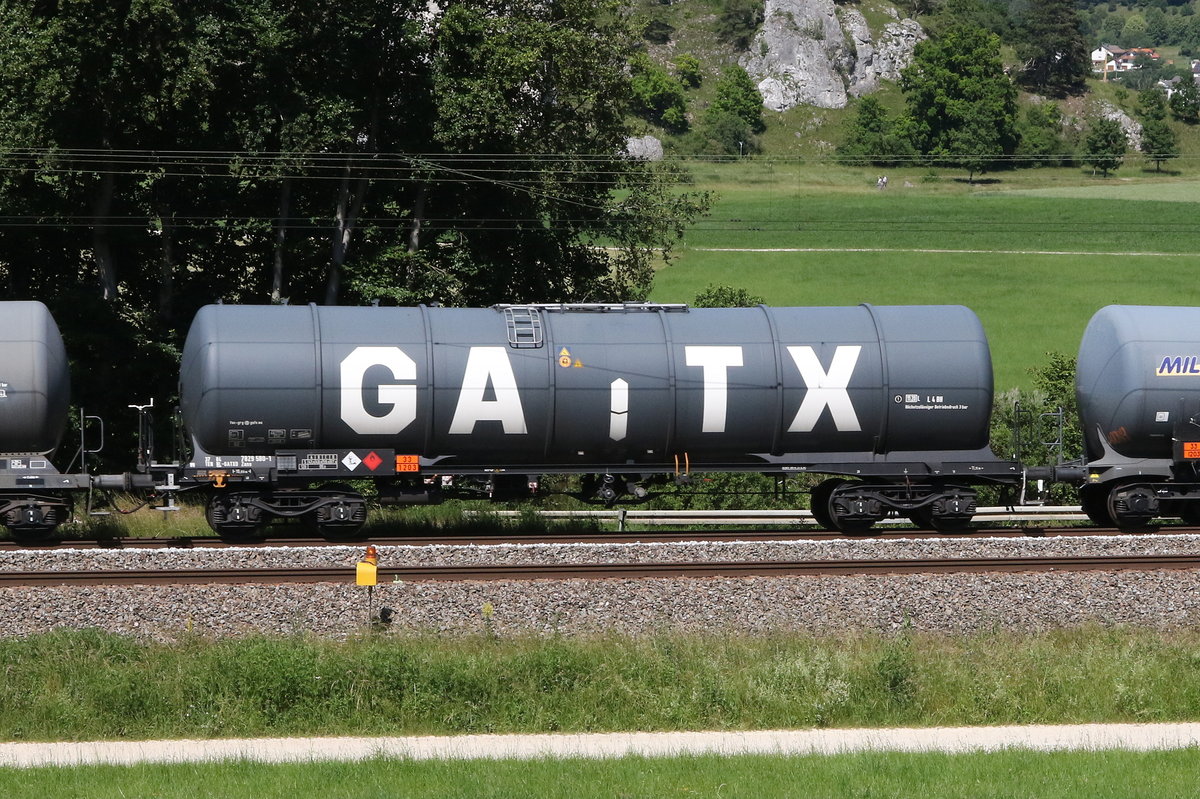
1067 775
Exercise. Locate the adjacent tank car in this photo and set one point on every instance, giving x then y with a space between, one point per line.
34 392
285 404
1138 388
35 395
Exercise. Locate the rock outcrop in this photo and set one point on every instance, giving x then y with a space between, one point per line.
812 52
1130 126
644 148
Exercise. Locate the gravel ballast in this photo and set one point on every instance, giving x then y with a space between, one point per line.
946 603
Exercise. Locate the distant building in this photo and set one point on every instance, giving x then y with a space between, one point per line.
1108 58
1169 86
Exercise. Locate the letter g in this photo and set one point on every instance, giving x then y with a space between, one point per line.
402 398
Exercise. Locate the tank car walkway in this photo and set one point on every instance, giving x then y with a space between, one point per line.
1137 737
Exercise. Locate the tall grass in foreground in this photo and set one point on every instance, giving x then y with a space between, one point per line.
91 685
1072 775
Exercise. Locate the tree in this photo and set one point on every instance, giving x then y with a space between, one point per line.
1152 104
1039 422
872 136
734 118
722 296
1158 142
1134 33
1112 29
658 97
1052 49
167 155
1105 145
722 133
689 70
1041 139
1185 102
989 15
737 95
962 107
739 20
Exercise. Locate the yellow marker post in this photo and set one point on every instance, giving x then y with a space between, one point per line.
367 573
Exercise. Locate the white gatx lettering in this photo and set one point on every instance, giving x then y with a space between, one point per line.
402 398
484 365
716 362
618 416
825 389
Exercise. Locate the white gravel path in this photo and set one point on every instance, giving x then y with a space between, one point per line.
1134 737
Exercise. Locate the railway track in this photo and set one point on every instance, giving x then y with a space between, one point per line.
604 571
645 537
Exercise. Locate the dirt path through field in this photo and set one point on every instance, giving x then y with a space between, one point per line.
1138 737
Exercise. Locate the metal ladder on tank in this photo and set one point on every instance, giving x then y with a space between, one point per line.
1049 421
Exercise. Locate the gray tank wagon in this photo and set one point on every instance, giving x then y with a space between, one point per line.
35 391
893 401
35 388
35 381
1138 389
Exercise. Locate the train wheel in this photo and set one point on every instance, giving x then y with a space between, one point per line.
853 511
950 512
1094 500
926 519
821 494
1133 507
35 521
234 521
342 518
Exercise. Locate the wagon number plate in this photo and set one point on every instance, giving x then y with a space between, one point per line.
1191 449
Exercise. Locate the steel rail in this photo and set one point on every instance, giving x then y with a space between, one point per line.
806 531
642 537
495 539
621 516
597 571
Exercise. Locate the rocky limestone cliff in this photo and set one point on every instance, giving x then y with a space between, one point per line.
812 52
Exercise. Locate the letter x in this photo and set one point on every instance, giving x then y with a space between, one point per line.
825 389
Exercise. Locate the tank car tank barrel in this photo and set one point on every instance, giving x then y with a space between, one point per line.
490 386
35 383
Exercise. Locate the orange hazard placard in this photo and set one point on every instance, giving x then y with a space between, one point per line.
1191 449
408 463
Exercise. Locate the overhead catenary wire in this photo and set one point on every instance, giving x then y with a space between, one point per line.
532 174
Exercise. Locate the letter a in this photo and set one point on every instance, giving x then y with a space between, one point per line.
484 365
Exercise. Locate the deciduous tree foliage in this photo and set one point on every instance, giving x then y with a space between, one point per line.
161 155
1106 144
1185 103
1158 142
738 96
873 137
962 107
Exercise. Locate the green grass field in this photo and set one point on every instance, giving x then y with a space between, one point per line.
1035 254
1076 775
